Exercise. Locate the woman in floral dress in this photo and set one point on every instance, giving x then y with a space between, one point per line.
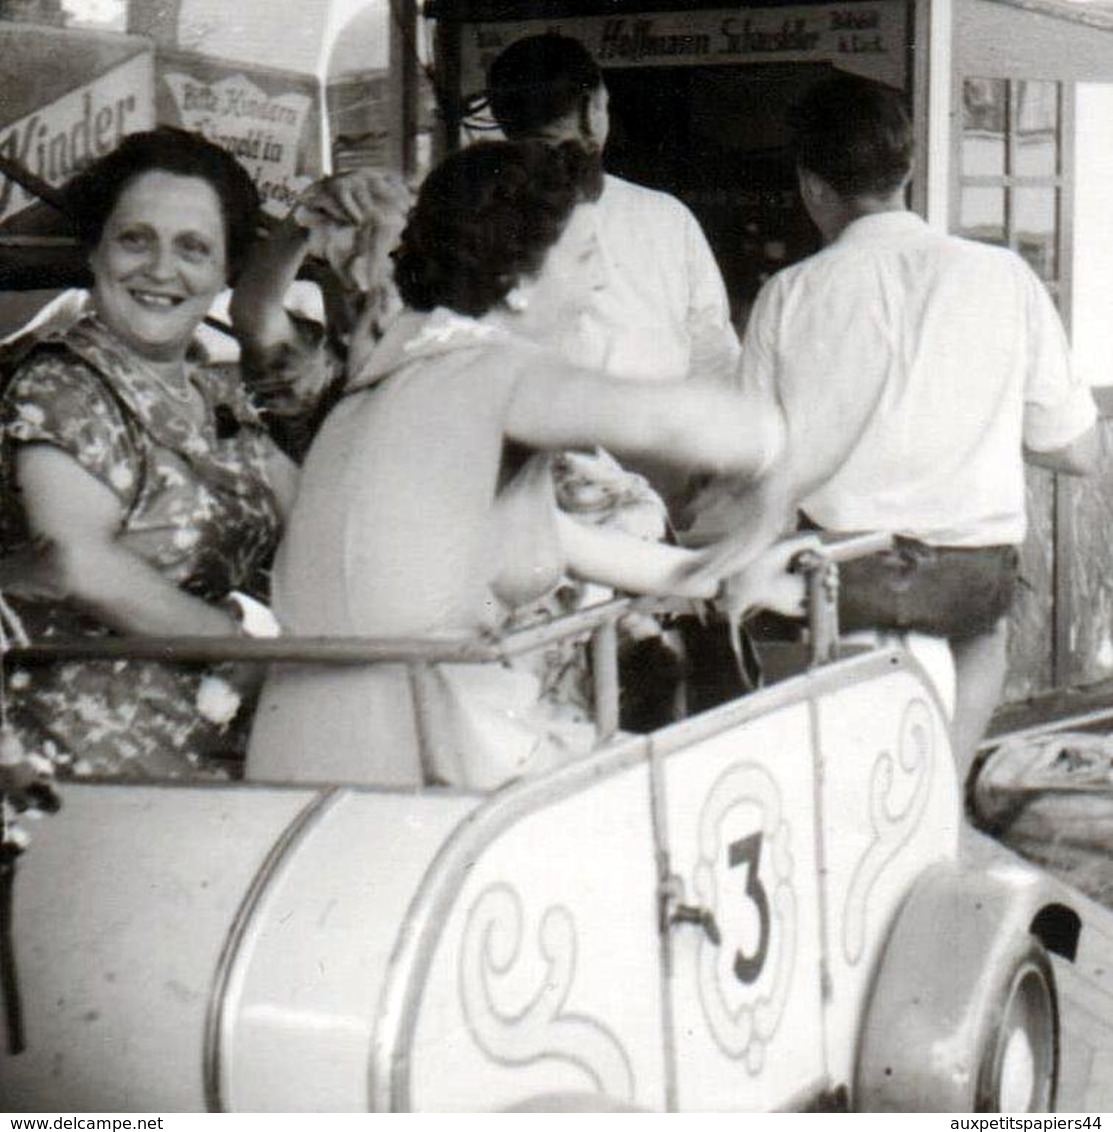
140 482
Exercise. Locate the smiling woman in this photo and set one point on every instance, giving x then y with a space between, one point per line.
160 263
145 474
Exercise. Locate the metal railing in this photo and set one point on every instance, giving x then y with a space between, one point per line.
420 655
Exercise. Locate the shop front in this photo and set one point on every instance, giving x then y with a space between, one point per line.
698 101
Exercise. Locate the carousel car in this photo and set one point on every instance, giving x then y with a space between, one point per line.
758 907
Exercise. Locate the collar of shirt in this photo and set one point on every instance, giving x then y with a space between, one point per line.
881 226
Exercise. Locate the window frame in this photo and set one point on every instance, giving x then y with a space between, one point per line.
1010 181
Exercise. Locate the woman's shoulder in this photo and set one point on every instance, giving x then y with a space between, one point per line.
438 336
57 398
78 352
47 369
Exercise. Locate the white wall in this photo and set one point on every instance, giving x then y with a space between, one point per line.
1093 234
357 37
286 34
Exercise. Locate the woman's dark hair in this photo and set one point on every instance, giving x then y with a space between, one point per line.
93 194
854 134
540 80
485 217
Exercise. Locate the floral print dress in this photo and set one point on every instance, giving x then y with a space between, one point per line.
198 506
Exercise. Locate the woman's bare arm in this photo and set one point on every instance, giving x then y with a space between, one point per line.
636 566
694 424
633 565
78 520
259 316
370 205
282 475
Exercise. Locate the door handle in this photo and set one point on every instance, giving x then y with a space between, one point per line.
701 917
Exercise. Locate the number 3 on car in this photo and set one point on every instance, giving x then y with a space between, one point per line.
742 850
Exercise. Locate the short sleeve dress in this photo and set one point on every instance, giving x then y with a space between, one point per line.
404 526
197 505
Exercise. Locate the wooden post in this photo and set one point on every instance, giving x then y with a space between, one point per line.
404 81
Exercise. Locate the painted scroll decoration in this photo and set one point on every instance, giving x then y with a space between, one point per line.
513 1032
898 794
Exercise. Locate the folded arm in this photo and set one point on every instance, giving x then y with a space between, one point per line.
633 565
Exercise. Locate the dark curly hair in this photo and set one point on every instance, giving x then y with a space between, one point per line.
485 218
92 195
855 134
540 80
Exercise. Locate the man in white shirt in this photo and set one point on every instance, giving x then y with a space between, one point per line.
660 307
916 370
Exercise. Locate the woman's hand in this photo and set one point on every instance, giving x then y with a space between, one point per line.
353 221
768 582
347 225
355 196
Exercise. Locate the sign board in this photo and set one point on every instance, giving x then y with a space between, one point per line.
270 120
61 135
868 39
360 112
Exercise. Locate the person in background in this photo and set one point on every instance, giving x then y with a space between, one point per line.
427 500
916 371
340 233
140 488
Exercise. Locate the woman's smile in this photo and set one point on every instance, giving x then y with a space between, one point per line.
154 299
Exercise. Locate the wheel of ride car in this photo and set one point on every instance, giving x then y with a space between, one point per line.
1018 1069
962 1015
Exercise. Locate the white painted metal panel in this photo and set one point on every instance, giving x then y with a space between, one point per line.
304 992
547 977
123 903
741 826
891 808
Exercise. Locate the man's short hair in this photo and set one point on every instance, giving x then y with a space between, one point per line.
855 134
540 80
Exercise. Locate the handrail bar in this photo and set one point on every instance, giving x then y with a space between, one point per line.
322 650
821 575
419 654
354 650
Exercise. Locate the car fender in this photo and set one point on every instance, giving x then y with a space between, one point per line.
935 984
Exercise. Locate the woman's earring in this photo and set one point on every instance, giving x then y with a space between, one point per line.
516 300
